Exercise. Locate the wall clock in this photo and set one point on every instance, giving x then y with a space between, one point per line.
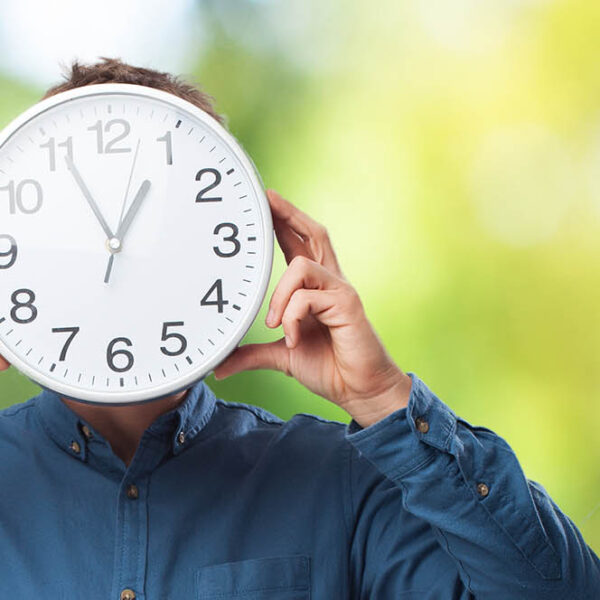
136 243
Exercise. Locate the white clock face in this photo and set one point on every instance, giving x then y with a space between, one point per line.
135 243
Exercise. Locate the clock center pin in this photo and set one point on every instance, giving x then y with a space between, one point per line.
114 245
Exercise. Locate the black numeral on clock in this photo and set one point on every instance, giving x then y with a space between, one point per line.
217 286
176 336
230 238
20 307
7 257
112 354
72 331
217 179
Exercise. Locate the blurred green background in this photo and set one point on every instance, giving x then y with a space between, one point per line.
452 149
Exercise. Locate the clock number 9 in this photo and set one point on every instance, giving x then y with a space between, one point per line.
111 353
18 305
230 238
217 179
167 336
11 254
15 196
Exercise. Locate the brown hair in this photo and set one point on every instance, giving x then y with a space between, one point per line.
113 70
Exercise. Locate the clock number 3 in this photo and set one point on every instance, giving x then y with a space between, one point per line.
230 238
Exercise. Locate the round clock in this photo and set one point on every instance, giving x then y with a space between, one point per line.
136 243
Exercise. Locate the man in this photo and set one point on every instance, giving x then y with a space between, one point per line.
192 497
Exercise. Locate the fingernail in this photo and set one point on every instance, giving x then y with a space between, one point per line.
288 341
270 317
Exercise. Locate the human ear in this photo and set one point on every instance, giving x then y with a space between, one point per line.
4 364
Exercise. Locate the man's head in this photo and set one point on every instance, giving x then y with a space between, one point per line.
113 70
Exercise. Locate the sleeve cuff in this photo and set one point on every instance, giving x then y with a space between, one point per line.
409 437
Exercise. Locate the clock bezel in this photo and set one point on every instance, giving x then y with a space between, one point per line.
116 397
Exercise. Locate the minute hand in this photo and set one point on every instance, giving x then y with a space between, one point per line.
88 196
135 206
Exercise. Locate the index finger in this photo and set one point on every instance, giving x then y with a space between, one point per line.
311 238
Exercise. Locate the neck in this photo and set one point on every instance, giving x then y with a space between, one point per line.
123 426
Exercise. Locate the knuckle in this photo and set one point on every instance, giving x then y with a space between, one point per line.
351 296
300 262
322 232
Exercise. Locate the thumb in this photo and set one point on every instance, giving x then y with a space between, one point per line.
273 355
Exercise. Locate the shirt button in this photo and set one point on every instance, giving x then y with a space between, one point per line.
127 594
422 425
181 437
132 494
75 447
483 490
86 431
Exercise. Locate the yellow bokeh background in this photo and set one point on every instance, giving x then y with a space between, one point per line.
452 150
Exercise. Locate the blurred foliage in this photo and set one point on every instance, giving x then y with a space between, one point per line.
452 149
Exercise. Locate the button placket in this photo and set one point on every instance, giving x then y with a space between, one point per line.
131 540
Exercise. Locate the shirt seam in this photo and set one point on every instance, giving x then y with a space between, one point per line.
12 411
249 408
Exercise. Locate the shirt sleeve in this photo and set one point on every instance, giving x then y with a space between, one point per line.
448 513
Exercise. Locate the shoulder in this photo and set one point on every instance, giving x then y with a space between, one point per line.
260 417
18 425
17 413
303 434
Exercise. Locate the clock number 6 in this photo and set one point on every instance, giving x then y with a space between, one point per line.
167 336
111 353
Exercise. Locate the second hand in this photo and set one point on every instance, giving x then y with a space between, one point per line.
114 244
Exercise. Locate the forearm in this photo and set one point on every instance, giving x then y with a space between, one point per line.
507 537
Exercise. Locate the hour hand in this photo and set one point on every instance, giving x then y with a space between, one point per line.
135 206
88 196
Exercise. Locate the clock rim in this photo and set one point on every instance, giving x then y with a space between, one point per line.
176 385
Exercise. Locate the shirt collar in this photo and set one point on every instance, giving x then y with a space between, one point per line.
179 426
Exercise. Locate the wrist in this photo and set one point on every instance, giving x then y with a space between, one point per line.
371 410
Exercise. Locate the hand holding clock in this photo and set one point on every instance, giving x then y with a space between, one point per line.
329 345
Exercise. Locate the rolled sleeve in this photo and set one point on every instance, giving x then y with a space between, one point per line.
502 530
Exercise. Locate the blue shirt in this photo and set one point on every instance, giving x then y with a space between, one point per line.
224 500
